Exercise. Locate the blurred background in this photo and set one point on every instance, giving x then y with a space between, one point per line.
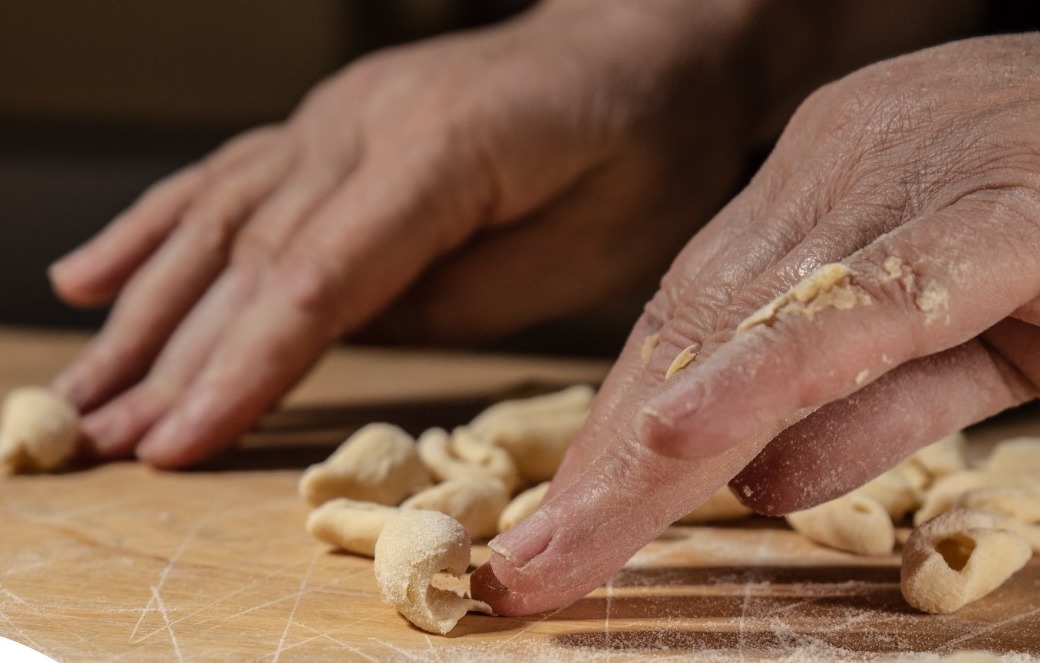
98 100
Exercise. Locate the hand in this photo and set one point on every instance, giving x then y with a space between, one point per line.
516 164
874 288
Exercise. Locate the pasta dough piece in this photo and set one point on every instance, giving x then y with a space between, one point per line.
377 464
536 431
413 547
476 502
894 490
941 458
854 523
522 506
958 557
722 505
463 454
1017 455
39 430
943 495
350 525
1017 497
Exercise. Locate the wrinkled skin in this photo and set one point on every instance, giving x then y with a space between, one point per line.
921 175
510 164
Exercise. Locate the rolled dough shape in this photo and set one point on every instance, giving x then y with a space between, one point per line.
39 430
413 547
958 557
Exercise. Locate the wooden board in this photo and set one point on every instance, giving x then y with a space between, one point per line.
120 562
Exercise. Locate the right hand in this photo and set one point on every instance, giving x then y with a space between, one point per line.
543 163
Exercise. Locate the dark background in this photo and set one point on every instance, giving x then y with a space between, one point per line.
100 99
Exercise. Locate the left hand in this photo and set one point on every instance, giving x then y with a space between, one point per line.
920 178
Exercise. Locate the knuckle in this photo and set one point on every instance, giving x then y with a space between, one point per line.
309 283
253 249
214 219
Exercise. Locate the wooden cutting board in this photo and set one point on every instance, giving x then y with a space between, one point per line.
121 562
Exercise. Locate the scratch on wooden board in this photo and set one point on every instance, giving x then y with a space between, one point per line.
328 634
319 635
171 563
267 604
23 637
609 588
429 645
166 619
296 604
14 597
954 644
761 553
410 655
532 623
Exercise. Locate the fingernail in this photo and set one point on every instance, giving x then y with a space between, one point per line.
524 542
668 424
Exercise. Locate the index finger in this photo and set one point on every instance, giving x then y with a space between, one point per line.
841 327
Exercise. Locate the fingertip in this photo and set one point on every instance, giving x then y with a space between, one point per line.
70 281
486 586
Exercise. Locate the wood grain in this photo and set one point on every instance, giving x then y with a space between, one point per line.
123 563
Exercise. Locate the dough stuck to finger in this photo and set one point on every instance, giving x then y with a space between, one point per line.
413 547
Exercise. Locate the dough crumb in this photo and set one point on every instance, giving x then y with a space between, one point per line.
682 360
829 286
649 345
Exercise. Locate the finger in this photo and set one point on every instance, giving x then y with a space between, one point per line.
766 236
163 290
115 429
94 273
717 415
821 457
360 249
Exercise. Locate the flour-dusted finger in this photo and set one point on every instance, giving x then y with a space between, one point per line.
414 546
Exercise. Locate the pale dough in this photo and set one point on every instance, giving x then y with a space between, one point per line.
378 464
958 557
39 430
522 506
854 523
349 524
463 454
722 505
476 502
535 431
413 547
